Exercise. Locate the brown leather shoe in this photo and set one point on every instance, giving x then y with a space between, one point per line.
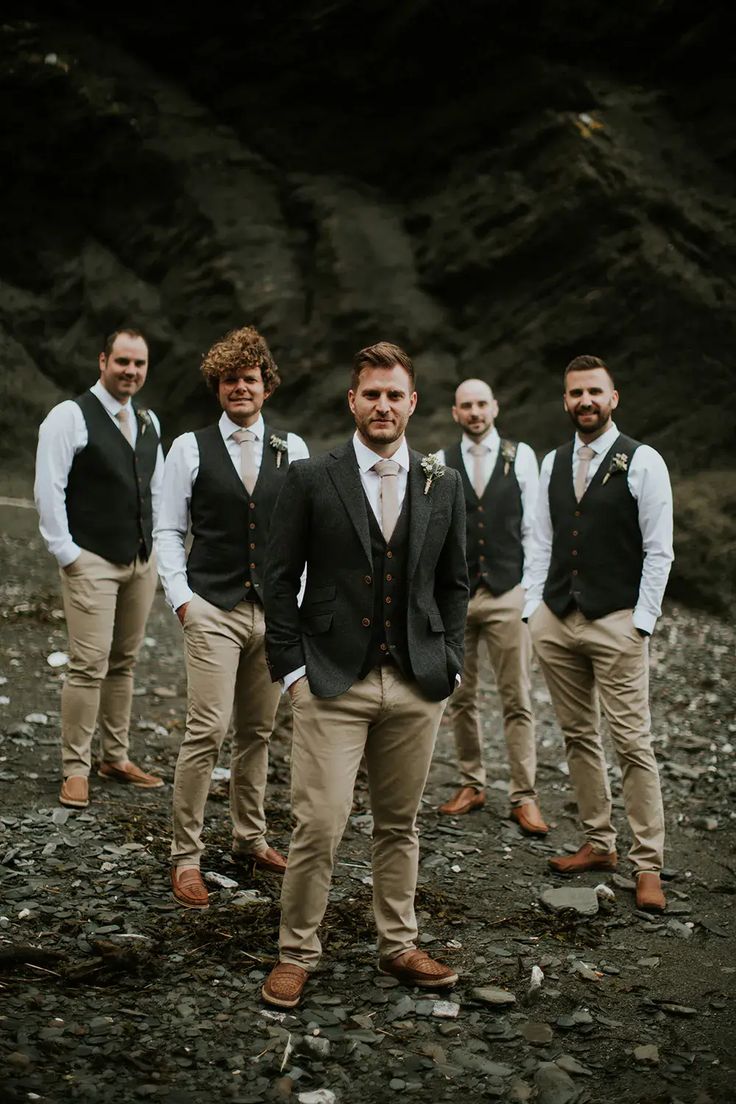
529 818
188 888
268 859
649 893
284 985
74 792
465 800
417 968
584 859
129 772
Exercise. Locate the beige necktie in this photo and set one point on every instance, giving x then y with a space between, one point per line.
246 438
123 417
389 473
585 455
479 480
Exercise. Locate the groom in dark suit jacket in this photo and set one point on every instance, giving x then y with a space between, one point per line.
369 659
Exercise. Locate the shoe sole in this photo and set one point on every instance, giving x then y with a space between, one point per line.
584 870
436 983
277 1002
529 831
187 905
462 812
129 782
73 804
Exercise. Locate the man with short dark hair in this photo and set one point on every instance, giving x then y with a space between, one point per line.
224 481
500 479
99 467
369 659
601 556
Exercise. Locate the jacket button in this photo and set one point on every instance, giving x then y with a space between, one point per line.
574 551
252 546
481 510
252 505
387 624
481 542
384 648
577 513
367 579
389 555
366 622
389 578
482 559
252 525
247 583
575 571
252 567
388 600
574 532
481 525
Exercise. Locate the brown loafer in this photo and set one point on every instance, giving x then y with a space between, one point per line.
188 888
284 985
584 859
649 895
268 859
74 792
130 773
465 800
529 819
417 968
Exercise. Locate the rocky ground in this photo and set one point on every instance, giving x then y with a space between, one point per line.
109 992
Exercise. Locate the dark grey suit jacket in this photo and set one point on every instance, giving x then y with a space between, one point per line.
321 519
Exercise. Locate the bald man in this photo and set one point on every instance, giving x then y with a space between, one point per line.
500 479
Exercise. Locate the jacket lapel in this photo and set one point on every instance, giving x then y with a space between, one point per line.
346 477
421 508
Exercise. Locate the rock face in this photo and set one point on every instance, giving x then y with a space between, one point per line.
496 198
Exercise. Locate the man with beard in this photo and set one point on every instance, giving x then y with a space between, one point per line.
224 480
369 660
500 480
99 468
601 555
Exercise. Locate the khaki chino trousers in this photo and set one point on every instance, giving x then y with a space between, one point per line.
227 677
106 606
607 661
386 718
496 622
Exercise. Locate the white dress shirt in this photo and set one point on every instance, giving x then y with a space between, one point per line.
180 473
649 483
63 433
525 470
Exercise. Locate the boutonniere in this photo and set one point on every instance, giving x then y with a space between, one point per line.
433 468
144 419
279 445
508 453
620 463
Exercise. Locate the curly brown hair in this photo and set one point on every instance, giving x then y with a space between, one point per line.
243 348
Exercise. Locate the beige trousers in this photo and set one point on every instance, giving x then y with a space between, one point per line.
106 607
496 622
385 718
607 660
227 677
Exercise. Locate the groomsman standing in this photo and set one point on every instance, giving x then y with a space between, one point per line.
600 560
224 481
369 660
500 480
99 467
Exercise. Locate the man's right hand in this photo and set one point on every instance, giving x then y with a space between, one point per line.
181 611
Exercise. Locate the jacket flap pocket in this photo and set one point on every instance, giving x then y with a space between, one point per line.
319 594
316 624
436 623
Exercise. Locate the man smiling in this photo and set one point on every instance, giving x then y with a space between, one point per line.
601 556
224 480
99 468
369 659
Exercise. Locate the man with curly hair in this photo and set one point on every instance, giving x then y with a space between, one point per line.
223 481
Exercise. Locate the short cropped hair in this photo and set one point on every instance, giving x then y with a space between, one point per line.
585 364
382 355
243 348
110 340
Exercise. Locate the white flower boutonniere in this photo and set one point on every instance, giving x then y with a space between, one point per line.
508 454
620 463
433 468
279 445
144 419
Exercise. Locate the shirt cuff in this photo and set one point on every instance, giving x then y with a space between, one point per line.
69 553
178 594
291 678
529 608
644 620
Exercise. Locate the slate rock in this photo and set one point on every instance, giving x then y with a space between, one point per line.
647 1053
491 994
554 1086
581 899
570 1065
538 1034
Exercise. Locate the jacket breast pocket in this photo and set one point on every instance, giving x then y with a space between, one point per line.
436 624
316 624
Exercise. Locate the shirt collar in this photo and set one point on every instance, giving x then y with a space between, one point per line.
367 457
228 427
489 442
110 403
601 444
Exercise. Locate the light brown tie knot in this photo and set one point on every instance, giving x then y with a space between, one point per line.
388 471
123 417
585 454
246 438
478 452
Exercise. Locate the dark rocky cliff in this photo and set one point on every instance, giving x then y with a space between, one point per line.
496 187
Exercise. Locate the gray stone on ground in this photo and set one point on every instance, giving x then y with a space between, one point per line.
581 899
647 1053
569 1064
538 1034
554 1086
491 994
